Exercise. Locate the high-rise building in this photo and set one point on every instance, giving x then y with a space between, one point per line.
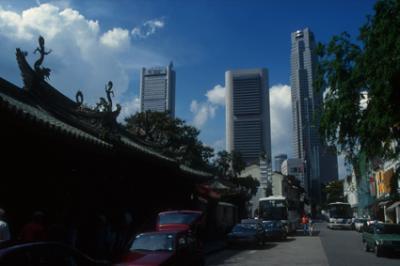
157 89
278 161
306 103
248 115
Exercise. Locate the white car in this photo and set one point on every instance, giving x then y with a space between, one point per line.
358 224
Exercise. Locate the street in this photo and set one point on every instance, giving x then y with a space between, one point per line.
329 247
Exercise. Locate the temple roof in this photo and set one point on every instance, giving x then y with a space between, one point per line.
44 105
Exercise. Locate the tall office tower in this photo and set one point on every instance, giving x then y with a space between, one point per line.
278 161
306 102
157 89
247 115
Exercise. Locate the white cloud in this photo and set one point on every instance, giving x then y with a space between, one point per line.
216 95
281 119
116 38
81 57
129 108
219 145
148 28
202 112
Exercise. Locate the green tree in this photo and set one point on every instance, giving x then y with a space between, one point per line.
238 164
334 191
172 137
229 165
222 163
367 71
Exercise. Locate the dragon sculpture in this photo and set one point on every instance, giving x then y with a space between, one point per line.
43 72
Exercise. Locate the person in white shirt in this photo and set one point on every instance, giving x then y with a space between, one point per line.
4 230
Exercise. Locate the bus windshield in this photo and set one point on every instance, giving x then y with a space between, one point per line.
340 210
273 210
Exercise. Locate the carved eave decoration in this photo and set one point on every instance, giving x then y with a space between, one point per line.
100 120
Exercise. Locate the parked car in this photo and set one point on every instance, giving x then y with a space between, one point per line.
45 253
381 238
358 224
167 248
274 230
179 220
247 233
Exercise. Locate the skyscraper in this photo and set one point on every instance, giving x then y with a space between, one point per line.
306 103
157 89
248 115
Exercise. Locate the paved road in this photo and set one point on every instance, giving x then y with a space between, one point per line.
332 248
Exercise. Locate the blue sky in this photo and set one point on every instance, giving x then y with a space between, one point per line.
98 40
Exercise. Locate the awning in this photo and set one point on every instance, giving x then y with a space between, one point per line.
383 203
393 206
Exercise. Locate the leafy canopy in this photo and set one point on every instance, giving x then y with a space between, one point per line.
361 107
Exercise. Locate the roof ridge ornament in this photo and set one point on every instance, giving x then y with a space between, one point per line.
43 72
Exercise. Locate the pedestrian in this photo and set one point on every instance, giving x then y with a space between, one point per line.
34 230
304 222
4 229
310 226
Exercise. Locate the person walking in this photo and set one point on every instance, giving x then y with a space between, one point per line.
304 222
310 226
4 229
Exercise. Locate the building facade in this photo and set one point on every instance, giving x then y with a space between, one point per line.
294 167
278 160
248 115
157 89
320 162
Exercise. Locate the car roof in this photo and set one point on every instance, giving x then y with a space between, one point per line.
165 232
180 211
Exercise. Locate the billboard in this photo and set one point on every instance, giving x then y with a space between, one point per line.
383 180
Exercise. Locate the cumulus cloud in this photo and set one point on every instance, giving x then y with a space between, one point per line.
129 108
116 38
83 55
216 95
203 111
148 28
281 118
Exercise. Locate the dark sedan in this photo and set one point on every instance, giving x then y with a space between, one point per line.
274 230
246 233
45 253
381 238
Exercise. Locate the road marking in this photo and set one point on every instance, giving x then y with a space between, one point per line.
252 251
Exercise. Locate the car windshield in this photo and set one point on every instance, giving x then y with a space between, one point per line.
178 218
388 229
244 228
154 242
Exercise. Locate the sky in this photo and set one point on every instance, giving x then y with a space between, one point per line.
94 41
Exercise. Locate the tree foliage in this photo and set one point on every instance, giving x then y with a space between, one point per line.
172 137
361 107
334 191
229 165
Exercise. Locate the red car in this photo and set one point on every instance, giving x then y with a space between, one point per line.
179 220
178 248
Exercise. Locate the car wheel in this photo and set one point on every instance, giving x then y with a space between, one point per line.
378 251
366 248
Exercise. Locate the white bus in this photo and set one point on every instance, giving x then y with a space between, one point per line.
276 208
340 215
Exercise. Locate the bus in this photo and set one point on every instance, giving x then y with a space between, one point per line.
275 208
340 215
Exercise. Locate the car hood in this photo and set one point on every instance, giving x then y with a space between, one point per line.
388 237
146 258
169 227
